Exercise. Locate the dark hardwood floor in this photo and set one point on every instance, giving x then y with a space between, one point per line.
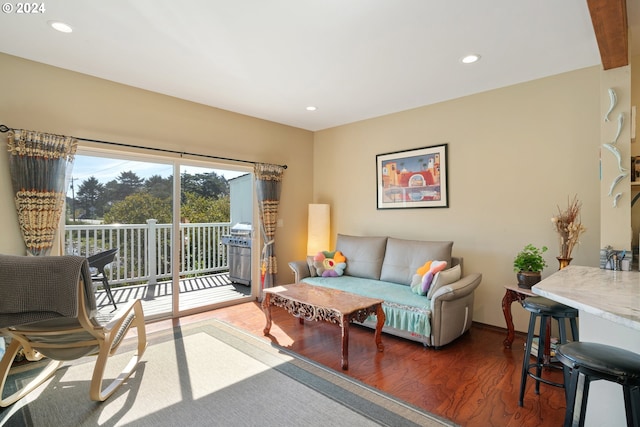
473 381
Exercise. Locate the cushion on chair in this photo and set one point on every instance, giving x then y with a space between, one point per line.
53 293
47 307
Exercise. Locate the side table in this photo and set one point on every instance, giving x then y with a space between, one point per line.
513 293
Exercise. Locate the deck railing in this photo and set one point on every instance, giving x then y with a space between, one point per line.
144 253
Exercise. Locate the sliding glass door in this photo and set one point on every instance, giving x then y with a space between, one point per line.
172 235
214 206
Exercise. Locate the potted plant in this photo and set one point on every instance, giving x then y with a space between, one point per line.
529 264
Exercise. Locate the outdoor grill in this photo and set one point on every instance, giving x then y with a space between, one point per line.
239 242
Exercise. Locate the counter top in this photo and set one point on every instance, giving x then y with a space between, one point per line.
612 295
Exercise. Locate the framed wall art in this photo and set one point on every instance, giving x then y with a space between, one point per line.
413 178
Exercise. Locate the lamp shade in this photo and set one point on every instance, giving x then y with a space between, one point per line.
318 229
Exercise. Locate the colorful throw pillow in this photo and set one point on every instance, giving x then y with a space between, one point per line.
444 278
424 276
329 264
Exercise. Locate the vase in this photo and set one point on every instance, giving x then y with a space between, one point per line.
563 262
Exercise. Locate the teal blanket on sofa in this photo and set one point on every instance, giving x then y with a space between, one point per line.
404 310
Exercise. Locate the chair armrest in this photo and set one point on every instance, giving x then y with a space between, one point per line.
300 270
119 315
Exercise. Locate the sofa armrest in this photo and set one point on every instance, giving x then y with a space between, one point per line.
452 309
300 270
457 260
461 288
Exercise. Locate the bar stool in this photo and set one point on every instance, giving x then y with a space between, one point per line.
593 362
545 309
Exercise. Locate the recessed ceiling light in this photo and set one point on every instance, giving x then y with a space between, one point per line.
470 59
311 108
60 26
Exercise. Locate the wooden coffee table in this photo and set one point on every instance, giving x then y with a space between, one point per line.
308 302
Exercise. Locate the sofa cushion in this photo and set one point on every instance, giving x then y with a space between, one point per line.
424 276
404 310
444 278
403 257
329 264
364 255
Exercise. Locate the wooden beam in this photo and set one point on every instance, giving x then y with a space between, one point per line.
609 18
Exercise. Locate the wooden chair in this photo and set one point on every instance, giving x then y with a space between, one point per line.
98 262
48 309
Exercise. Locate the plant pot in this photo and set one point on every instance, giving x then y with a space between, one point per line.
526 279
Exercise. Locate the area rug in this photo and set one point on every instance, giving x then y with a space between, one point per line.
212 374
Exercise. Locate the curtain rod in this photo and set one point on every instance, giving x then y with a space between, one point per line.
5 129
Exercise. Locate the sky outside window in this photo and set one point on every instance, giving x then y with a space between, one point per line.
106 169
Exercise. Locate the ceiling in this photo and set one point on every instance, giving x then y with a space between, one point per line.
352 59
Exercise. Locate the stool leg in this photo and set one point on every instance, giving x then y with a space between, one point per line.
632 405
574 329
525 358
562 329
582 393
577 392
570 391
563 339
541 348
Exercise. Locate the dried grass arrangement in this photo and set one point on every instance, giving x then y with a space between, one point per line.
40 165
568 225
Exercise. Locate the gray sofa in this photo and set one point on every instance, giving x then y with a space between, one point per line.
384 267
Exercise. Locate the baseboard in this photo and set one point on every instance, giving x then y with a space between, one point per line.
486 326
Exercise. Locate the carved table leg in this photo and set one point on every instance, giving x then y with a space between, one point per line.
380 323
344 327
266 307
509 297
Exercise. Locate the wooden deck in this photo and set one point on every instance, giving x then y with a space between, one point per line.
194 292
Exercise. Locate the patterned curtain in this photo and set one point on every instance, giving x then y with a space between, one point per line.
40 166
268 186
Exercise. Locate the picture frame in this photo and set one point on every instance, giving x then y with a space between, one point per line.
415 178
